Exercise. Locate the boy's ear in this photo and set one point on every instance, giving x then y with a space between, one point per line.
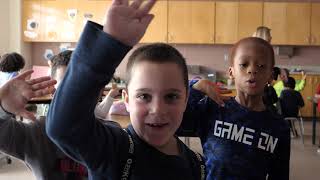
230 70
125 95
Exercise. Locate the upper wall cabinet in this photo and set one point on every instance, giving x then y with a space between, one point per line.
298 23
59 20
315 24
236 20
157 30
226 22
250 17
31 16
191 21
289 22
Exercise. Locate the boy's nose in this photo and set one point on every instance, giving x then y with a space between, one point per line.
252 70
158 107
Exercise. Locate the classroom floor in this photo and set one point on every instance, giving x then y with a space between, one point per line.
304 164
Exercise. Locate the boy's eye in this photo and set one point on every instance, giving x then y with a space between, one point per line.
171 97
243 65
144 97
260 66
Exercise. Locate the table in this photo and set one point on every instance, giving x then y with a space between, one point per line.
41 100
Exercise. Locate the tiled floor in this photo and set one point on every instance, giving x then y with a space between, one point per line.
305 161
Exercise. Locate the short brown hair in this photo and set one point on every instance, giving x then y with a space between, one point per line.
61 59
157 53
11 62
264 46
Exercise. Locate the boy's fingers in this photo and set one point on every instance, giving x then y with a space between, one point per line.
38 80
42 92
24 74
145 9
136 4
122 2
43 85
147 19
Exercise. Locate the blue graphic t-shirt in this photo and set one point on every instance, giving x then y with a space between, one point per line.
238 143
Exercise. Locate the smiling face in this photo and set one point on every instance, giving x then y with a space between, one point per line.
156 100
252 67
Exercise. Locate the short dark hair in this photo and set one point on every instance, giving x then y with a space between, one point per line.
61 59
267 48
286 71
290 83
275 73
157 53
11 62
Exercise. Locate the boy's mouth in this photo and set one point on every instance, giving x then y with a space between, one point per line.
157 125
252 83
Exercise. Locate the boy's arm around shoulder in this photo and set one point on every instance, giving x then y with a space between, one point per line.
71 122
21 140
198 108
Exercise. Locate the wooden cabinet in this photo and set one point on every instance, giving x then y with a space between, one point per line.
308 92
158 29
315 24
191 22
249 18
91 10
274 17
31 27
298 23
226 22
59 20
289 22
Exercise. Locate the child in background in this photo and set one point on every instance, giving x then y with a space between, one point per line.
156 99
290 100
241 138
264 33
270 97
284 74
10 65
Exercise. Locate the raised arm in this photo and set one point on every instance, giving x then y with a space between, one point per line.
19 139
71 121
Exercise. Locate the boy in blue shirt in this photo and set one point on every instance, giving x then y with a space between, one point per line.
241 138
156 98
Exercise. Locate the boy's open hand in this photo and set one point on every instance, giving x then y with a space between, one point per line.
128 22
211 90
16 93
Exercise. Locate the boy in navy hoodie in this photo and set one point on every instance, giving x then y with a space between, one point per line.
241 138
156 98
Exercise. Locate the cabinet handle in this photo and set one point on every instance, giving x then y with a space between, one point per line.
307 39
170 38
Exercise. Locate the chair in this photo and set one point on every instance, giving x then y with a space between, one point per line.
301 127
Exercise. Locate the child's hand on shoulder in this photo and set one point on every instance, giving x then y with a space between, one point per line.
128 22
210 89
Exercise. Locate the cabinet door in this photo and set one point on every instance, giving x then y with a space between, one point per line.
202 22
179 21
250 17
226 22
307 92
274 17
91 10
191 21
59 20
31 27
315 24
158 29
298 23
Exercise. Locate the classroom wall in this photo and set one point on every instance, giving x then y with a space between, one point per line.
4 30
